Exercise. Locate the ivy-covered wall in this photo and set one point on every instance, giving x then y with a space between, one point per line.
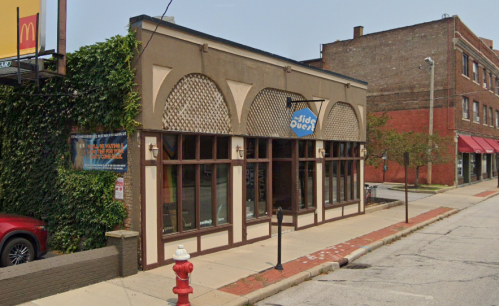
36 178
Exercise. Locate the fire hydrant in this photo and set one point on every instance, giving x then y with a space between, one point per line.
182 269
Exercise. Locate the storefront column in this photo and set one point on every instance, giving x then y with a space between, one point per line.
237 190
151 204
319 146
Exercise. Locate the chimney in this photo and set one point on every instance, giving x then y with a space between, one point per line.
358 32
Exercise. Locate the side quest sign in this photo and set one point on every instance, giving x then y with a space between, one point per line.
303 122
100 151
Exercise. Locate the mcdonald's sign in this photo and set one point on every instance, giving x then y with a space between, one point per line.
27 27
27 30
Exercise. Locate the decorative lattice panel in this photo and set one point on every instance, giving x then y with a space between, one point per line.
268 115
342 123
196 105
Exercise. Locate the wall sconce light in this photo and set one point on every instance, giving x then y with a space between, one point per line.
364 151
154 150
240 150
322 152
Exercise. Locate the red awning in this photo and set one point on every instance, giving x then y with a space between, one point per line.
484 144
493 143
466 144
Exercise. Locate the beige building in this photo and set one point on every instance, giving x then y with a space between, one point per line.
227 156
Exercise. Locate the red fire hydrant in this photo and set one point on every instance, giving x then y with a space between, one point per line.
182 269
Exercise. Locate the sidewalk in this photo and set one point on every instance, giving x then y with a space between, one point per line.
245 274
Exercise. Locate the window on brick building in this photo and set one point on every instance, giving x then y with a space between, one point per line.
476 118
497 119
466 108
485 78
465 65
475 72
491 82
497 86
491 116
485 114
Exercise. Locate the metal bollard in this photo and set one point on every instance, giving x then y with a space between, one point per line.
280 215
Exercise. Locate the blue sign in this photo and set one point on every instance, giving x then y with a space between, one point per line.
100 152
303 122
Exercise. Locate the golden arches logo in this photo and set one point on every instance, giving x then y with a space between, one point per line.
27 27
27 32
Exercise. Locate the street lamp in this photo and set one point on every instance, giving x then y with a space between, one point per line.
430 62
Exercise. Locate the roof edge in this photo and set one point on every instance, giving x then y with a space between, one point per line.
177 27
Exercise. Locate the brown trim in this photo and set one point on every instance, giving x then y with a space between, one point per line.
142 204
304 211
148 163
284 224
150 267
196 233
195 162
237 162
159 201
259 220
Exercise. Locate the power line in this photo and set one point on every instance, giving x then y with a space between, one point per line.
157 26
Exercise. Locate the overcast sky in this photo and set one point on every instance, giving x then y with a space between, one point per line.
290 28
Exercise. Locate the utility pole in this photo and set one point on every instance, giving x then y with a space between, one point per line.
432 88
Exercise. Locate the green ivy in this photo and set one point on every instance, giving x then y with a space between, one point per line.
36 179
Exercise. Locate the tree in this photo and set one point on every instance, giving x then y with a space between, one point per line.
420 151
375 135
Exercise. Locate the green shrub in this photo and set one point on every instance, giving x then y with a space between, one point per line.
35 125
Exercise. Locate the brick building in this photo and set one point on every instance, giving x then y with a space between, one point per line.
466 104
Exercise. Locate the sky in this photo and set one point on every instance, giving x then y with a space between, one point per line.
290 28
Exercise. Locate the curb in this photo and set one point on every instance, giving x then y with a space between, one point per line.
369 210
301 277
270 290
425 191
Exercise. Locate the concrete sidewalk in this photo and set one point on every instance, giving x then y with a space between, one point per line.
223 269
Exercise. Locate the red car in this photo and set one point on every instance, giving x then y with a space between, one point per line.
22 239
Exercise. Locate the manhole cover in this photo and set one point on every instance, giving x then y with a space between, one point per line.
357 266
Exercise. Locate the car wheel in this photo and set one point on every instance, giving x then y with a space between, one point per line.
17 251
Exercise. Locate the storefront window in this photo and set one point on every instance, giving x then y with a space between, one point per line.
342 174
460 165
473 164
222 194
170 204
257 179
484 163
327 180
188 197
306 174
203 173
205 194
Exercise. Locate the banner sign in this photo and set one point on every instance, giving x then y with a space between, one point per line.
100 151
303 122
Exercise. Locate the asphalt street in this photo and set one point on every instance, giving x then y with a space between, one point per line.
451 262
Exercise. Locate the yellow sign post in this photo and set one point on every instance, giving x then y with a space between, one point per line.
27 27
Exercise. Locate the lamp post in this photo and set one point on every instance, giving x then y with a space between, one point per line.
432 85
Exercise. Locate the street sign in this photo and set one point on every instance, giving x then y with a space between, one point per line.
303 122
27 27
